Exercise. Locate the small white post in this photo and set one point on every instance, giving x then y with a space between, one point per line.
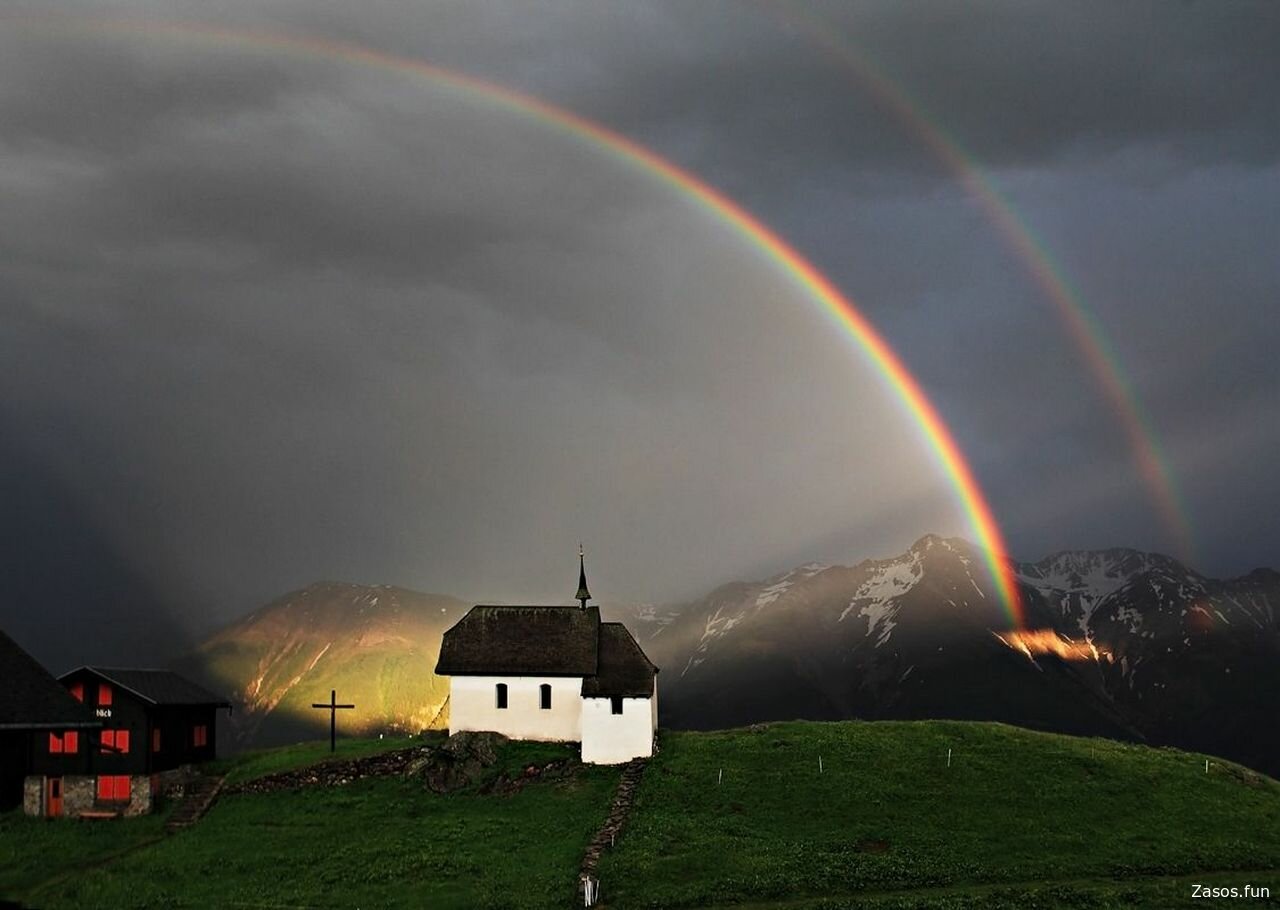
1206 766
720 777
948 758
819 764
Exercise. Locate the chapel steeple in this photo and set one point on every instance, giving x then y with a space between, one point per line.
583 594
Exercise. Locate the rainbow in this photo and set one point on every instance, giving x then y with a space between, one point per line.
1084 329
839 308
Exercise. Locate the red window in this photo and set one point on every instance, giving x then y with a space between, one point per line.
113 788
71 741
104 695
200 735
55 743
115 740
155 740
77 691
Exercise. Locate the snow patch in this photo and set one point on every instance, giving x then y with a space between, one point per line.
877 597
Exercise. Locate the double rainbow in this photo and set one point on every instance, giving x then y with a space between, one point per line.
818 287
1085 330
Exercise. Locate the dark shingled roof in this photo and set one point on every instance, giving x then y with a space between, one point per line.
521 641
160 687
623 668
548 641
30 698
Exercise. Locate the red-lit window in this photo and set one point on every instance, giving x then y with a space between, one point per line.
77 691
155 740
113 788
200 735
115 740
71 741
55 742
104 695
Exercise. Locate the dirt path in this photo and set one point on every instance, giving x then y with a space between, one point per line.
44 887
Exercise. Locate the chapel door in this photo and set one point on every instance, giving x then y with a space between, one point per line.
53 802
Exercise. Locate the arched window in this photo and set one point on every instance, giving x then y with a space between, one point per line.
544 696
502 695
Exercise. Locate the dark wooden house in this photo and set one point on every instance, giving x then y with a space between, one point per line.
46 737
152 721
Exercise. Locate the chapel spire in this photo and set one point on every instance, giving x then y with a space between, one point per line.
583 594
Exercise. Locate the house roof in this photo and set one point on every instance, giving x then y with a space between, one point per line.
548 641
30 698
159 687
623 668
522 641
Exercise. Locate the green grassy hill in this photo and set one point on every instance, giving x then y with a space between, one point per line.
740 818
886 816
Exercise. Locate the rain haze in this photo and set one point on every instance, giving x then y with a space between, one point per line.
281 305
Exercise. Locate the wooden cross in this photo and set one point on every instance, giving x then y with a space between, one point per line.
333 707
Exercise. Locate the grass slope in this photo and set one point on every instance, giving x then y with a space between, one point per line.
377 843
1020 818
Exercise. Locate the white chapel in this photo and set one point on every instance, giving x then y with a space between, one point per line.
552 673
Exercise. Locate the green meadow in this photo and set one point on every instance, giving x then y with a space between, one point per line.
753 818
799 815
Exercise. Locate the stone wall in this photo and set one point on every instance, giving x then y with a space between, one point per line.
33 795
139 795
80 794
173 783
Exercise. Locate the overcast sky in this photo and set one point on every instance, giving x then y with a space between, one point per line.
271 317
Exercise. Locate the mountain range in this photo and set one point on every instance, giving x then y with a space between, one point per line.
1116 643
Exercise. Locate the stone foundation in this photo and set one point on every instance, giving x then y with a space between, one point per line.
140 796
33 796
80 794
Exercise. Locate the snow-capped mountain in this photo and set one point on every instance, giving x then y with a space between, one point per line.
1115 642
1128 644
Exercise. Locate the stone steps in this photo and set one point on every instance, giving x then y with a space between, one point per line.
200 796
607 836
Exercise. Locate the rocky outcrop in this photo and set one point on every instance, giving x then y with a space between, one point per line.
463 761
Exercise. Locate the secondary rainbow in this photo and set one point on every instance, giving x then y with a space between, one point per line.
836 305
1086 332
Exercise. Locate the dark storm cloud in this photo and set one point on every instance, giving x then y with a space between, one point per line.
1016 84
271 317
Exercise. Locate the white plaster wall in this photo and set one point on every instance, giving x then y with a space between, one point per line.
473 705
610 739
